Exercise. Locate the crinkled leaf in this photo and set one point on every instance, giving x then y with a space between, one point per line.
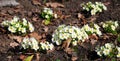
66 43
54 5
35 35
36 2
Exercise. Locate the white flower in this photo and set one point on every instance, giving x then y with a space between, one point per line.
46 46
104 7
86 27
12 29
112 27
65 35
25 43
116 24
13 22
98 32
23 30
109 45
58 42
71 30
24 22
96 26
94 8
118 48
17 25
51 46
15 19
31 28
93 12
30 43
106 52
20 29
43 46
74 43
45 10
50 11
118 55
99 53
5 23
34 44
55 16
47 16
74 35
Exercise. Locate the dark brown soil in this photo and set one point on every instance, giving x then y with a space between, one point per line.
72 8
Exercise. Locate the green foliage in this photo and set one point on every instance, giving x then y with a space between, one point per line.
57 59
18 27
94 8
118 38
47 14
110 26
29 58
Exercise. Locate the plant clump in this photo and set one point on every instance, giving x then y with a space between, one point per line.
108 50
110 26
47 14
46 46
32 44
94 8
18 27
64 32
93 29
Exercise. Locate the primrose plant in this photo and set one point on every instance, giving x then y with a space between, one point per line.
110 26
94 8
108 50
17 26
46 46
93 29
47 14
32 44
64 32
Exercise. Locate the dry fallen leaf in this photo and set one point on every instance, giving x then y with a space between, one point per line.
80 16
35 35
66 43
69 51
37 56
54 5
93 36
107 3
92 41
74 58
64 16
45 29
34 18
17 38
2 30
92 18
36 2
14 44
22 57
105 36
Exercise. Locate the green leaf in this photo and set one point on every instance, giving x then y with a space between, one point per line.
29 58
47 22
118 38
57 59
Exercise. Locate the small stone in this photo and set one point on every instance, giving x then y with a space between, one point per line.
8 3
29 14
10 12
